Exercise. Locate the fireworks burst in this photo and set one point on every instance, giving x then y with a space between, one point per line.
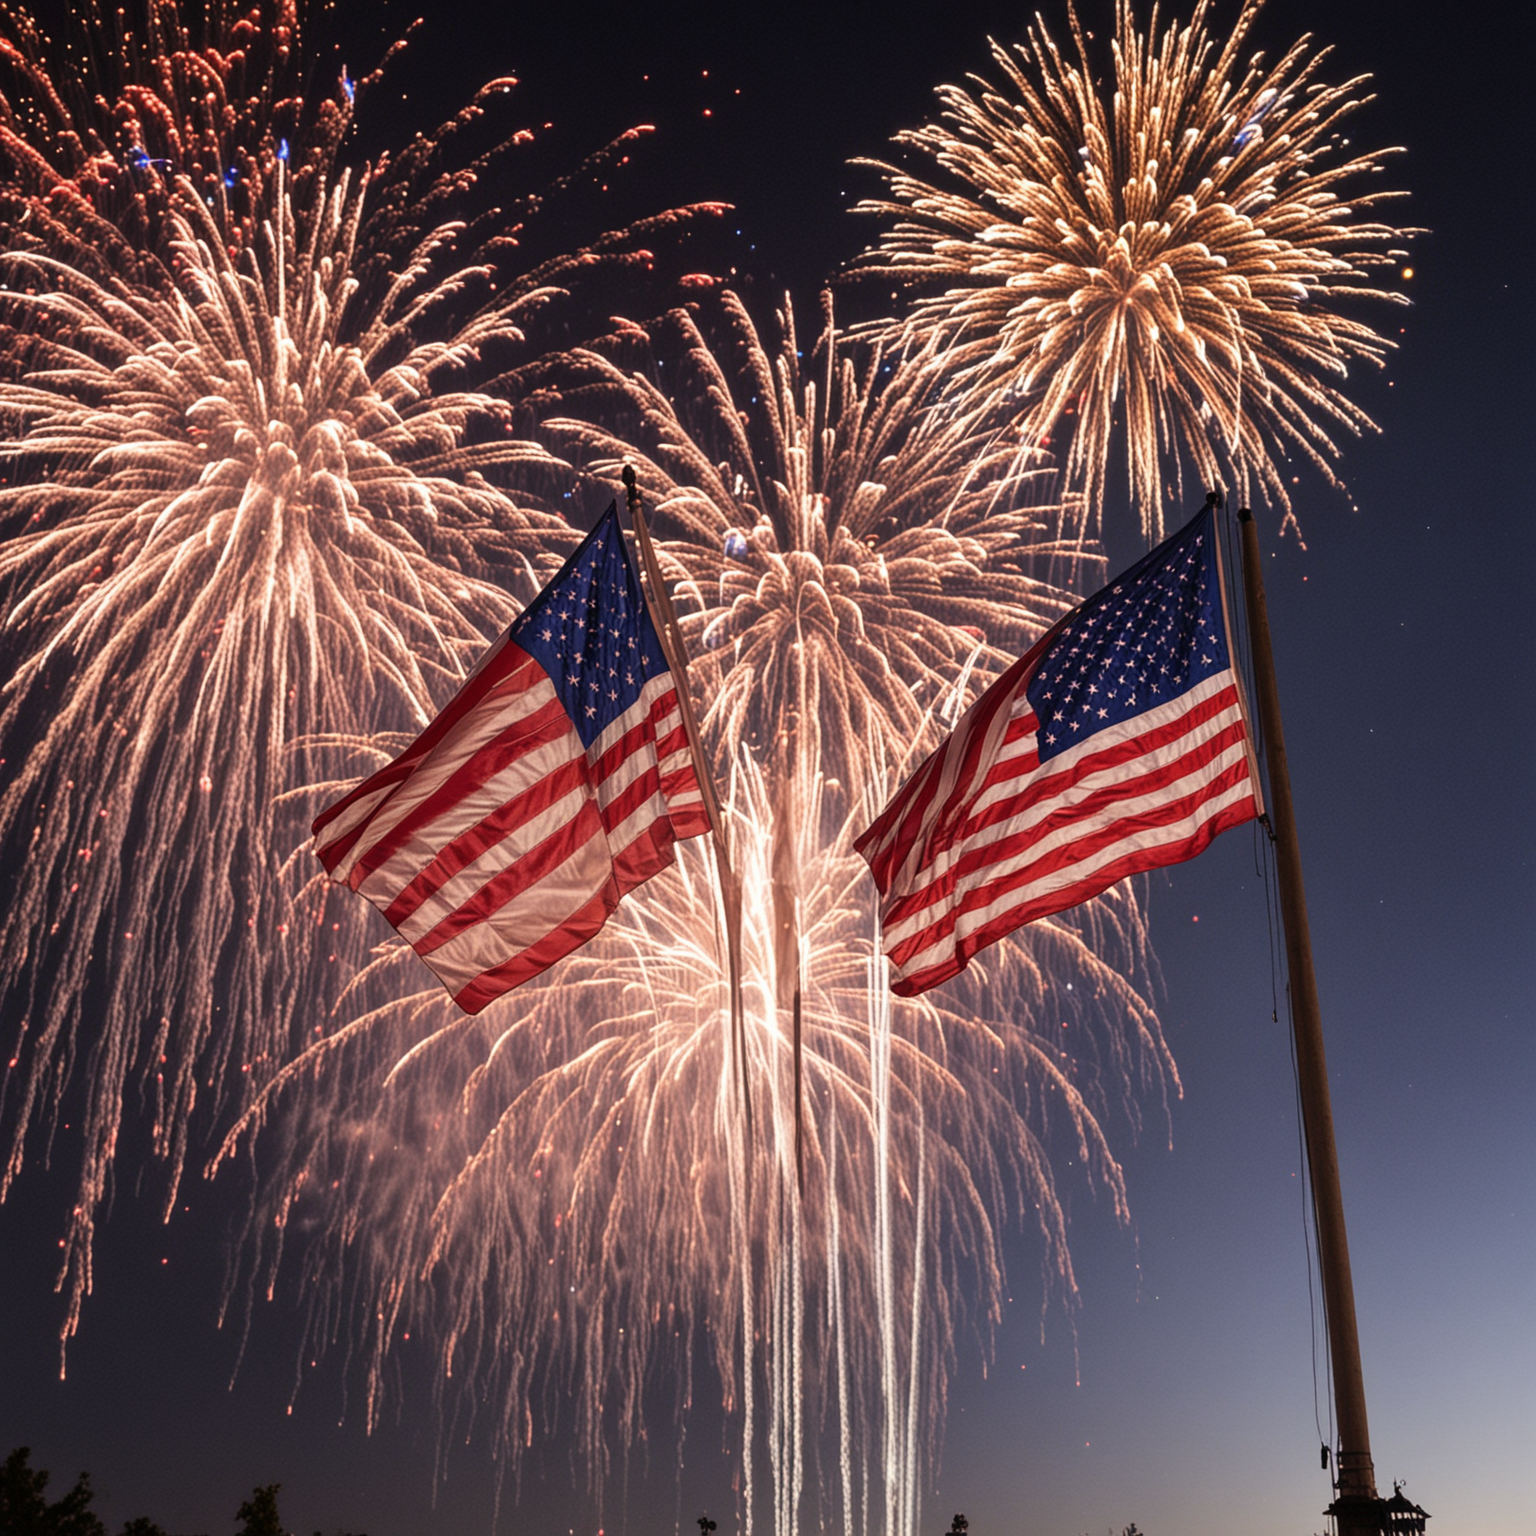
563 1189
251 505
1177 250
838 566
561 1196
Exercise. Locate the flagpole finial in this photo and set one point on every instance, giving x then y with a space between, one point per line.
1215 499
1244 515
631 485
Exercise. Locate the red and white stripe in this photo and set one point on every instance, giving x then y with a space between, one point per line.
496 843
984 837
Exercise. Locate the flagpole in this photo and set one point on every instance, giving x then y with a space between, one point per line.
677 654
665 619
1358 1508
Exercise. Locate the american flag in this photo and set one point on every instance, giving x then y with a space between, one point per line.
1118 744
556 780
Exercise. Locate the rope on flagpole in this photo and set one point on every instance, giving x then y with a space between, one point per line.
665 619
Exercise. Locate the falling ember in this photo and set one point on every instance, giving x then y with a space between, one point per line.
1169 243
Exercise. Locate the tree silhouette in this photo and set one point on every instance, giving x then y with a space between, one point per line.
959 1526
25 1512
258 1516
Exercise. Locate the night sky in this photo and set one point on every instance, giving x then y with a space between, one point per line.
1404 638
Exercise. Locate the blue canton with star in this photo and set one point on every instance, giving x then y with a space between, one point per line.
592 633
1145 639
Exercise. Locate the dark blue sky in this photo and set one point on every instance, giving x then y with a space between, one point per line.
1404 638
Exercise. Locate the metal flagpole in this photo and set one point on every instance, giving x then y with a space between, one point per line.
1357 1509
677 660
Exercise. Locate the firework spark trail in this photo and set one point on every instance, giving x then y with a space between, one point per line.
251 508
1173 252
559 1192
553 1193
848 574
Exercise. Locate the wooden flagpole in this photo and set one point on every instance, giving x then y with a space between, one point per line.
1357 1509
665 619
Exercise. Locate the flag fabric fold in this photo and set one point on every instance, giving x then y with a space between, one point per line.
556 780
1118 744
